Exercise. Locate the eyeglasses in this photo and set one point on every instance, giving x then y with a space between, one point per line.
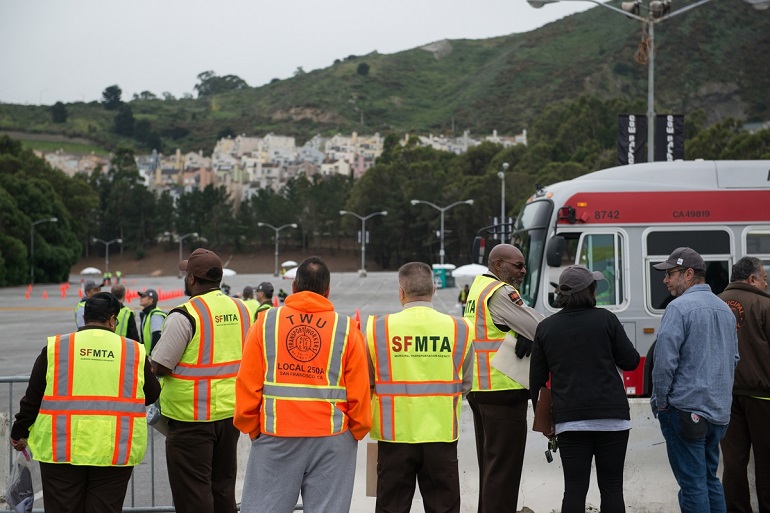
517 265
116 320
672 272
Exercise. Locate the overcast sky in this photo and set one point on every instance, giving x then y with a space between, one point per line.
71 50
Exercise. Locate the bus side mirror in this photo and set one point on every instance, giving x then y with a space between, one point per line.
554 250
477 251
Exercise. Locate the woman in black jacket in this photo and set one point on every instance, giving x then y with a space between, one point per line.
582 347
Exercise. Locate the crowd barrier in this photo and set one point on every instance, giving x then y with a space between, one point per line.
649 484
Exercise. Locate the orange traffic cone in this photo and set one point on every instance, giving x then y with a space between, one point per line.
45 294
275 301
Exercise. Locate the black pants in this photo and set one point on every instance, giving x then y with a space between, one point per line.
500 423
748 431
202 461
578 449
84 489
433 464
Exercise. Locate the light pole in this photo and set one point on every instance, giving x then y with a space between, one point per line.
501 176
106 251
290 225
32 245
181 239
442 210
362 272
657 11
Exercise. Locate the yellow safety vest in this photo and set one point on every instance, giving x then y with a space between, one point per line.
123 316
487 337
92 411
147 327
418 356
201 388
253 306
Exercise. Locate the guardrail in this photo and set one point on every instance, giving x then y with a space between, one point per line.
150 474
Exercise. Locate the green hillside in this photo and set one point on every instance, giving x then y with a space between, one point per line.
712 59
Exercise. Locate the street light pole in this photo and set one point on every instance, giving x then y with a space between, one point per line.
442 210
501 176
362 272
32 245
182 238
657 11
106 251
277 230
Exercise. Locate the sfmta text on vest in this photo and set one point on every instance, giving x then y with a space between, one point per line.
96 353
418 344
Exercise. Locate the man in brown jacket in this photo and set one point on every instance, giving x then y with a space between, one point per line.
747 297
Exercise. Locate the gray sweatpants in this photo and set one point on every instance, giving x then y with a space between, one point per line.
279 468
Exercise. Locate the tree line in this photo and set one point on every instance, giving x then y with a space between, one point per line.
567 141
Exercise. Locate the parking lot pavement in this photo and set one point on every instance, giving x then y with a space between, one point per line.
26 322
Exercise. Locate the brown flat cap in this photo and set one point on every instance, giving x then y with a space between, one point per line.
203 264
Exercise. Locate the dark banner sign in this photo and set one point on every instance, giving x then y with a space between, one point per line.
632 137
669 137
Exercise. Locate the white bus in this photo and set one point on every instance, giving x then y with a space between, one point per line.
622 220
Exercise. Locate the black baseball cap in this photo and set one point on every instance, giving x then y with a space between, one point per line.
151 293
682 257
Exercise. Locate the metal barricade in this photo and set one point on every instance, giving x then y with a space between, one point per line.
150 474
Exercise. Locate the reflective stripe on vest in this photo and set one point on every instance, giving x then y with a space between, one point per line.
146 327
61 405
199 369
273 392
123 316
387 390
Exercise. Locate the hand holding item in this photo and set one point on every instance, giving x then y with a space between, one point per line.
523 346
19 444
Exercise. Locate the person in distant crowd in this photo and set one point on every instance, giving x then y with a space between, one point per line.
118 275
408 447
692 380
83 414
89 289
747 297
151 319
282 295
580 349
264 296
107 279
499 403
302 396
197 357
248 300
463 297
126 322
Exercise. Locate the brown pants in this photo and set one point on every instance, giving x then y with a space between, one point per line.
202 461
433 464
748 431
500 422
84 489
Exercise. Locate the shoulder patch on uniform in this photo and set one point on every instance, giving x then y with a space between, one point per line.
516 298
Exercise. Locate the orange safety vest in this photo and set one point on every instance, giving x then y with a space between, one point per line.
304 355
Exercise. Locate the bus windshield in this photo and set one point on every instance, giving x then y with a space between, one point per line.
529 236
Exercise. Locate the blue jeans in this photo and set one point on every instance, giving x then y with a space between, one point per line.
694 462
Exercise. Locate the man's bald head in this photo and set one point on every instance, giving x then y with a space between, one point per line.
507 263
